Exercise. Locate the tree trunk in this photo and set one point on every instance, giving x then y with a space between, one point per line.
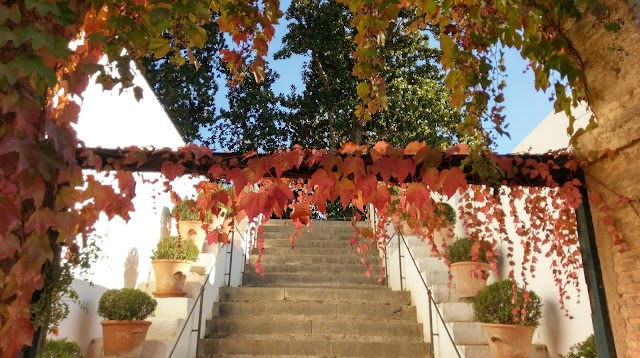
615 100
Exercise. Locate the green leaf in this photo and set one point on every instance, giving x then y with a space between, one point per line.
612 27
43 7
363 89
159 46
6 35
159 14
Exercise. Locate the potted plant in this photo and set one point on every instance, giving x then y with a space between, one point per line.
470 276
124 328
509 331
171 260
190 223
444 237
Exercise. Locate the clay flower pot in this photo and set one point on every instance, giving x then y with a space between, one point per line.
170 277
509 341
192 230
124 338
466 285
443 236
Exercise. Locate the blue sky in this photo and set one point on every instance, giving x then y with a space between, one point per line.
524 107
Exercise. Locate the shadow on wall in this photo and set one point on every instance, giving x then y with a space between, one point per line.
82 325
131 268
165 223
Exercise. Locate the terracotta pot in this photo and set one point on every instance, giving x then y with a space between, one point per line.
192 230
124 338
444 236
226 226
170 277
467 286
509 341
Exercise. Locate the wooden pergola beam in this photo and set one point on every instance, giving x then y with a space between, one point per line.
155 159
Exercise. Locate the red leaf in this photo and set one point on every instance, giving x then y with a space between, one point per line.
40 221
171 170
380 198
414 147
239 177
346 190
428 157
254 203
280 195
301 213
126 183
452 180
353 165
368 185
403 168
380 149
383 167
9 215
417 194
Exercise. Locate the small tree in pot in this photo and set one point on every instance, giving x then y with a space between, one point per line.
469 275
124 328
171 260
509 327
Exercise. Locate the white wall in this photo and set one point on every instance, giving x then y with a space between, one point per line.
110 120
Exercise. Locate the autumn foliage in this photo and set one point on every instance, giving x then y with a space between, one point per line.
47 201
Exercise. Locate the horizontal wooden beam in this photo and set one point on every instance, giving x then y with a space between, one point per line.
155 158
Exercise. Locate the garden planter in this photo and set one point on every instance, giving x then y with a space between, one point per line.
467 286
444 236
170 277
192 230
124 338
508 341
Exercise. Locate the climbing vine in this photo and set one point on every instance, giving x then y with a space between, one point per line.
50 49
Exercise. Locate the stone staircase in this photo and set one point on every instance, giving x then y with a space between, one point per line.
315 301
467 334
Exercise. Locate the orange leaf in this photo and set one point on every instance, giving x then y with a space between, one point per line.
346 191
301 213
171 170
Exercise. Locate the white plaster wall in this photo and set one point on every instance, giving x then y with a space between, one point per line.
110 120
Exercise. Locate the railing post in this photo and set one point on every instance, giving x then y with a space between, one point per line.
400 261
431 322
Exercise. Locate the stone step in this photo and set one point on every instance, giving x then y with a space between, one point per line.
256 294
317 234
315 251
286 223
315 309
287 279
308 242
335 337
319 269
456 311
266 347
320 326
483 351
351 258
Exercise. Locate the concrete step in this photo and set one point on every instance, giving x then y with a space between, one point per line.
483 351
173 307
205 260
319 326
464 333
432 264
287 279
316 234
349 258
257 294
444 293
456 311
335 337
319 269
315 251
308 242
164 328
297 347
315 309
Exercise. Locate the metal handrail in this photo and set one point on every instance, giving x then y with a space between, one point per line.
432 303
200 298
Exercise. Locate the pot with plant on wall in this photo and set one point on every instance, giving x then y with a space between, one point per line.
190 223
444 237
509 335
125 327
469 276
171 260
